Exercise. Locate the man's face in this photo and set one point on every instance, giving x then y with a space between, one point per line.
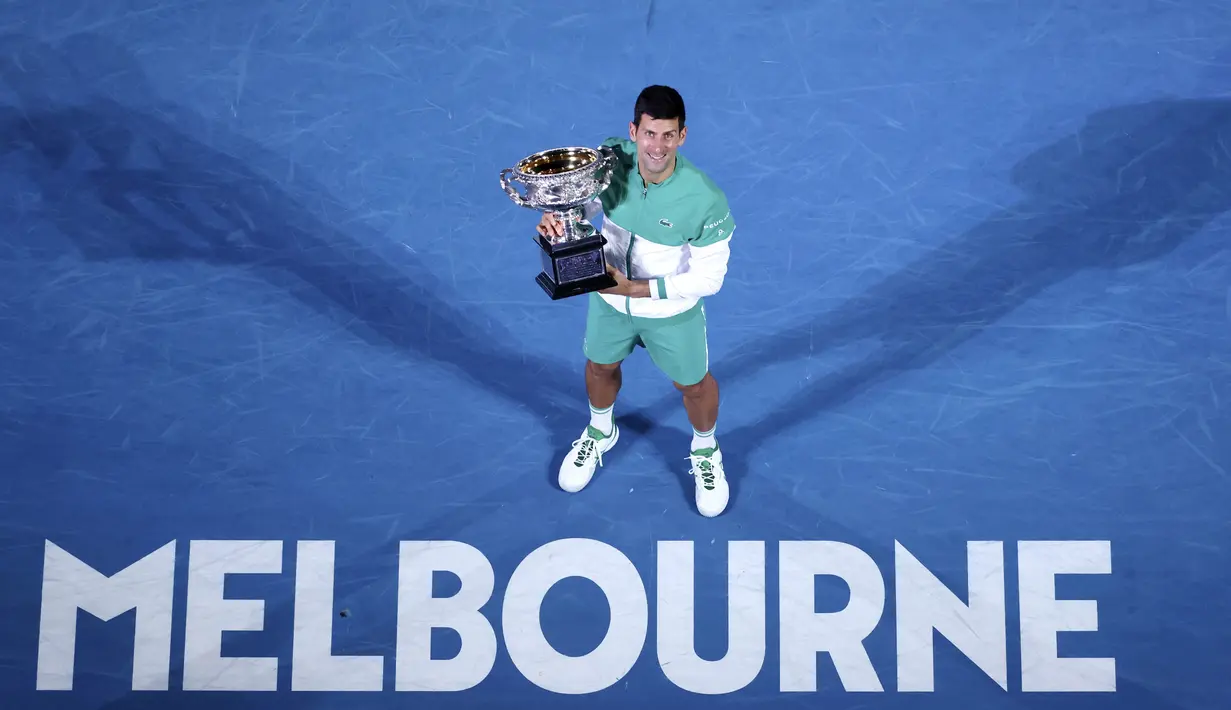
657 142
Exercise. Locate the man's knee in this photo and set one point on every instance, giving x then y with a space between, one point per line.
603 369
696 388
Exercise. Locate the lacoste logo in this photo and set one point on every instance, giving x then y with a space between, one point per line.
665 222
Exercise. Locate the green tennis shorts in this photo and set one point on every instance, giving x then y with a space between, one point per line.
676 344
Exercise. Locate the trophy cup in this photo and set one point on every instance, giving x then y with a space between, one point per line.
561 181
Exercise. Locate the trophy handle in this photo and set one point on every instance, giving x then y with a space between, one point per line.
508 188
608 154
610 159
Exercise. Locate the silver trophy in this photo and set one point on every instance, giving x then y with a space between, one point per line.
561 181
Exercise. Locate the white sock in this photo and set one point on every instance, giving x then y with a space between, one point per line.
703 440
602 419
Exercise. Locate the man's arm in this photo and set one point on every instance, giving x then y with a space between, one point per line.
594 207
707 269
709 252
707 259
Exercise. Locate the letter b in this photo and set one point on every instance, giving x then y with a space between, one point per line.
419 612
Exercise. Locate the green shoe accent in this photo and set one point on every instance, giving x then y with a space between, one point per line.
705 452
594 433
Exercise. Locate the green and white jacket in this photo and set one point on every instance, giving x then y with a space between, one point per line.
676 233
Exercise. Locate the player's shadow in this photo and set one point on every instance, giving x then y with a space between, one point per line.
124 175
1128 188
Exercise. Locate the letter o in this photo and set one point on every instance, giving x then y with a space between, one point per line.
620 648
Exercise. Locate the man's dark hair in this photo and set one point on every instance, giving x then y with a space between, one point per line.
660 102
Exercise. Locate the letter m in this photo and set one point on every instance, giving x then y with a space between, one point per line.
147 585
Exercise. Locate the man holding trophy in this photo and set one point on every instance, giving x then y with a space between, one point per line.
663 248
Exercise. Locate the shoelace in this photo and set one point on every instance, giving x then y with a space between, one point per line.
589 447
703 467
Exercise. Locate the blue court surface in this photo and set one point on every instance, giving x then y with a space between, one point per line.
282 404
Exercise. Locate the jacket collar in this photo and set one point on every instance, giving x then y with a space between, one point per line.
679 163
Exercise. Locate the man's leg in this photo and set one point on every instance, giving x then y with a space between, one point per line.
701 404
609 339
679 346
602 385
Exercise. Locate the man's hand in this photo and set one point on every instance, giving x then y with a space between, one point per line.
549 226
625 286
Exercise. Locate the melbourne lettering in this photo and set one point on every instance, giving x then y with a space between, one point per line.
923 610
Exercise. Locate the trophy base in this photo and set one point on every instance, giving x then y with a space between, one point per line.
575 288
573 268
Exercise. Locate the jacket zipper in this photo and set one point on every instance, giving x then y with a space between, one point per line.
632 235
